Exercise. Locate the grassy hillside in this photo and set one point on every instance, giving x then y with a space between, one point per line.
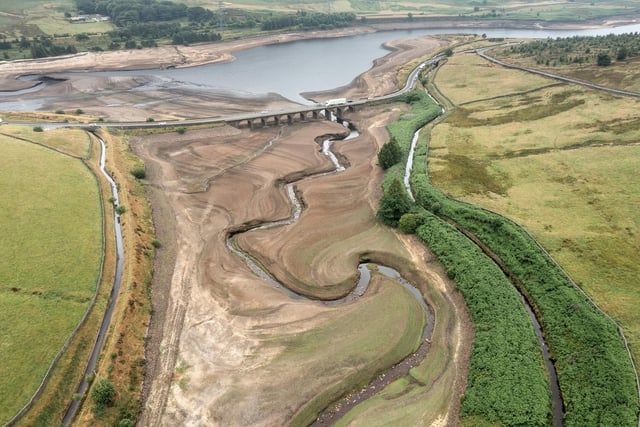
559 161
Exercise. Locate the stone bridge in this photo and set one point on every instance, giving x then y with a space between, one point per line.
302 114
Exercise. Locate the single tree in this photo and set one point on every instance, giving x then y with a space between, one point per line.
394 203
139 172
389 154
603 59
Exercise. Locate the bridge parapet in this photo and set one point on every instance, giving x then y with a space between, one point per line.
291 117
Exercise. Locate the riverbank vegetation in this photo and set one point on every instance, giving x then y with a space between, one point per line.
51 265
498 366
536 156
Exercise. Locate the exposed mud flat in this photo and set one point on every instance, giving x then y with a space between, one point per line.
220 332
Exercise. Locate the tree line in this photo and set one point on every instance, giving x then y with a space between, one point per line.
149 23
307 21
600 50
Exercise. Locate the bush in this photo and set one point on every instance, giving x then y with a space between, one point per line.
156 243
181 130
139 172
120 210
150 119
38 129
410 222
79 111
103 393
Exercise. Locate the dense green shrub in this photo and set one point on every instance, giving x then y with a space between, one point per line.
394 203
389 154
410 222
507 382
103 393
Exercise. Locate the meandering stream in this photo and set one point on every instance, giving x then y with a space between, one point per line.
329 415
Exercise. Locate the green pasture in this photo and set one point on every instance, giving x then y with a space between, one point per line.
74 142
488 81
34 17
51 250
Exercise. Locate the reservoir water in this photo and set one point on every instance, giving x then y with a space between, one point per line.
294 68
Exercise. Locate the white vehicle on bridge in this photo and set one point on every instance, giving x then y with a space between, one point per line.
336 101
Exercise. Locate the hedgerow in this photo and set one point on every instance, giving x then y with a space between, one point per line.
507 381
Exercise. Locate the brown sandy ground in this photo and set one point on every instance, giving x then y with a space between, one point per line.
209 351
217 364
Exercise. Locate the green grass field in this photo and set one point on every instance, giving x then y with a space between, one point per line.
51 250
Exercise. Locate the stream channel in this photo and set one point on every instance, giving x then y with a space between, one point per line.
117 281
331 414
557 405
